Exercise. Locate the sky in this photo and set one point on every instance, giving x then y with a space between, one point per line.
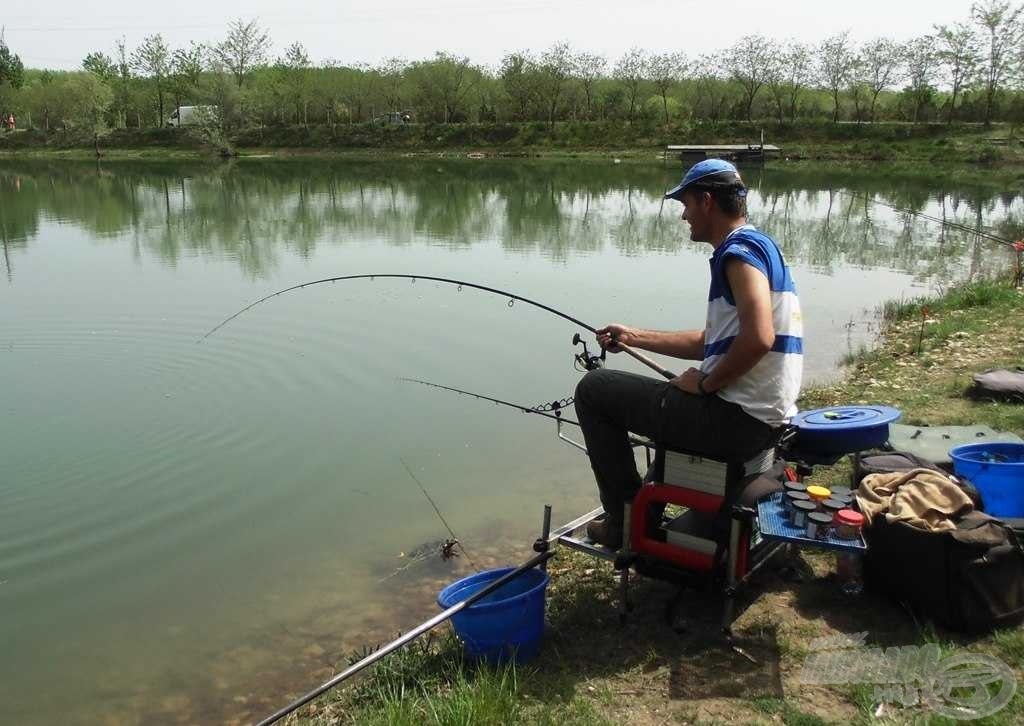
59 33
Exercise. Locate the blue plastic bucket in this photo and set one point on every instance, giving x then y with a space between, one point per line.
509 621
997 470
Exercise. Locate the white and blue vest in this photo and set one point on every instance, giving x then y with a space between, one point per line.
769 390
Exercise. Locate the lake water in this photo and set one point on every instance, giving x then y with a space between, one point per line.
192 532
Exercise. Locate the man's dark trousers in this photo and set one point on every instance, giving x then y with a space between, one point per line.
610 404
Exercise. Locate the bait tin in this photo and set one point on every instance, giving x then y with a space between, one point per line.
818 524
800 512
793 497
848 524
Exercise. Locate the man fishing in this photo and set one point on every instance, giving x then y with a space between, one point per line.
751 353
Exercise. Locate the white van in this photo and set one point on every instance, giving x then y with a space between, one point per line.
190 115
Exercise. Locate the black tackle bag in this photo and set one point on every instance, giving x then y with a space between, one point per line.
970 579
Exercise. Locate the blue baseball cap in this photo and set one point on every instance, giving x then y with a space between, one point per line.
712 172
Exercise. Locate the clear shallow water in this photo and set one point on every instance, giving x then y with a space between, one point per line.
189 531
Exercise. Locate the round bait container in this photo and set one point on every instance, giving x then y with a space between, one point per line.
842 494
818 494
793 486
792 497
848 524
800 512
818 524
831 506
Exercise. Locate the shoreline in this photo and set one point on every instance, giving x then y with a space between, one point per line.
999 176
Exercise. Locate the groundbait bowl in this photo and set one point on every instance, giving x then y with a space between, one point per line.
508 623
997 470
844 429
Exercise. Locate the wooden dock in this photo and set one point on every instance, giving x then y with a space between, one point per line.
690 153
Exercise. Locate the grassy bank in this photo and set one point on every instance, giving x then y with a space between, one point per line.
893 142
594 671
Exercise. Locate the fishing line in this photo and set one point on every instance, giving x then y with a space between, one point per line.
439 515
938 220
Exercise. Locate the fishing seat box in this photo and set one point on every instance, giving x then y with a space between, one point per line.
708 489
970 579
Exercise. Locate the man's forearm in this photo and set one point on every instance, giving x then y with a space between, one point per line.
686 344
745 352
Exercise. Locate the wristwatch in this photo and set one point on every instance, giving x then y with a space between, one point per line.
700 385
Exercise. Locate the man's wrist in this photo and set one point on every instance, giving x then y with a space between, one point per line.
700 385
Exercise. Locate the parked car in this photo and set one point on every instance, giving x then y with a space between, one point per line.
190 115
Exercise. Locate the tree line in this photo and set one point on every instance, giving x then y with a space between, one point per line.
971 71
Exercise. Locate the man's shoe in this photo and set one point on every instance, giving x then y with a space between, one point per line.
605 532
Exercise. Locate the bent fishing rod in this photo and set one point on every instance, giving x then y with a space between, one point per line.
512 298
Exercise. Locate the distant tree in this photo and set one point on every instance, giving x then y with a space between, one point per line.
44 99
712 92
1002 29
246 48
87 102
612 102
488 94
836 62
235 106
554 69
956 48
122 84
12 71
666 70
787 74
919 61
799 66
746 62
858 89
294 68
880 66
392 82
775 79
589 69
328 92
631 71
187 67
443 83
518 79
358 84
101 66
153 60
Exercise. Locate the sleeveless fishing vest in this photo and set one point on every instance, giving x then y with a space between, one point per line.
769 390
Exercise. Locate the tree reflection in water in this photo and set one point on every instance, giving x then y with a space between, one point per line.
255 211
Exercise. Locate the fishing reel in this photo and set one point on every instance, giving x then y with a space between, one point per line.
587 361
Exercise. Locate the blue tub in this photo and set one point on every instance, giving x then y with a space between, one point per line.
997 470
508 622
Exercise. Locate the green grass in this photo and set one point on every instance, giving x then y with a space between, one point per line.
978 294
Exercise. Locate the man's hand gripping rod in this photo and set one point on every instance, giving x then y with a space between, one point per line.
590 362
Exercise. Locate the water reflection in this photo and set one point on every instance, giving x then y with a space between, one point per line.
255 211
